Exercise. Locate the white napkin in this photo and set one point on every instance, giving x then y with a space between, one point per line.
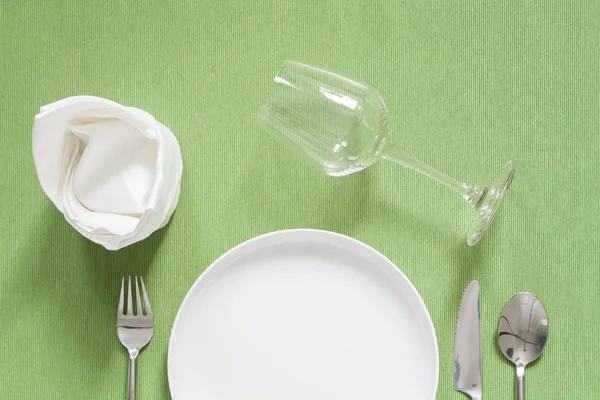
113 171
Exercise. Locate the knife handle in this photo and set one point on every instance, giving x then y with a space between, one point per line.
520 382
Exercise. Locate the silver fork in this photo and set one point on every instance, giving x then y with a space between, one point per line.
134 331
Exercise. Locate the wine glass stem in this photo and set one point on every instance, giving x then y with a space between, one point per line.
471 193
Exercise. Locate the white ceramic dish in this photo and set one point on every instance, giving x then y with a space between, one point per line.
303 314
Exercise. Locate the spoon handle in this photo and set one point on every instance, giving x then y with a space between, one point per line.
520 382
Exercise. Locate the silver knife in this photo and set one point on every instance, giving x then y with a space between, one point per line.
467 344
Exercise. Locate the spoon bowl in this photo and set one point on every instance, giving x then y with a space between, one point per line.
523 333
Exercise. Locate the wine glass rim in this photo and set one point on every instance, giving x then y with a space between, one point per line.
288 63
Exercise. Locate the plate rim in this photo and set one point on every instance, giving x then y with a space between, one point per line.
313 235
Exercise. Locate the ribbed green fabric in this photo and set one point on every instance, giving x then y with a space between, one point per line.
469 84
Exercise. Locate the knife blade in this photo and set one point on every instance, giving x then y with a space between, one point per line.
467 344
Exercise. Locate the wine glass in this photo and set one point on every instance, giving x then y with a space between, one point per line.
342 125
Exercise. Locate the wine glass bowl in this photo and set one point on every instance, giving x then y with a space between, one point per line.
341 124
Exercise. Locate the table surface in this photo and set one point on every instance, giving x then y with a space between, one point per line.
469 85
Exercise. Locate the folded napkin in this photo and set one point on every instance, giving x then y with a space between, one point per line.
113 171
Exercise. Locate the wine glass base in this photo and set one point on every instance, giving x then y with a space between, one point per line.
487 207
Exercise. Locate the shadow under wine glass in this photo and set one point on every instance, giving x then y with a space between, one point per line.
342 125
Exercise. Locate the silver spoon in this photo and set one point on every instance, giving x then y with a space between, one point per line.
522 333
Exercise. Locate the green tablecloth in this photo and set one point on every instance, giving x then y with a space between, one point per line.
469 85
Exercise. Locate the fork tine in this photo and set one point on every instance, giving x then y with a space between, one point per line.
137 297
121 297
146 299
129 299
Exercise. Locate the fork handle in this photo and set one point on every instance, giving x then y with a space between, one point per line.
131 379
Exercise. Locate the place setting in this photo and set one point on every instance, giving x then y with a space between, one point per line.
290 314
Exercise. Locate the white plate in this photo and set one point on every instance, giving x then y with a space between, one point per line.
303 314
